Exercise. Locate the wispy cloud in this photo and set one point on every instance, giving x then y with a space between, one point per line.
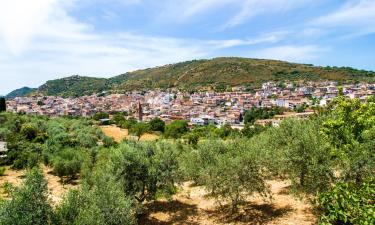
57 45
358 15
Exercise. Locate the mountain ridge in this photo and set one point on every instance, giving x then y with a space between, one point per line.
215 73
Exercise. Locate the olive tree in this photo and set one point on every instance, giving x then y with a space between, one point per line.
28 204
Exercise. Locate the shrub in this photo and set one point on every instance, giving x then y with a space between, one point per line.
157 125
176 129
348 203
2 171
68 162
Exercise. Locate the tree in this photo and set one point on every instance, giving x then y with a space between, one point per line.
145 170
157 124
67 163
176 129
29 203
348 203
3 105
139 129
261 113
229 171
305 154
100 115
30 131
350 129
102 203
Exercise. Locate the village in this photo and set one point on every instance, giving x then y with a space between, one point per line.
199 108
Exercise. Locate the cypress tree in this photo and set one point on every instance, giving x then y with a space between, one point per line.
3 105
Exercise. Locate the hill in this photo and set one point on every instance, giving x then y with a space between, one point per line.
21 92
73 86
215 73
232 72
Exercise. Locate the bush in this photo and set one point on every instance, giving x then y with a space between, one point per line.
100 115
176 129
102 203
157 125
67 163
29 131
2 171
348 203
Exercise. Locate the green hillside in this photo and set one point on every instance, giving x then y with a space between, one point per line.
73 86
232 71
196 74
21 92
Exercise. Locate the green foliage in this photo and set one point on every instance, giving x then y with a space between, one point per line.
261 113
252 130
157 124
2 171
220 73
304 154
68 162
127 124
73 86
139 129
176 129
348 203
145 170
20 92
29 203
103 203
100 115
30 131
229 172
350 128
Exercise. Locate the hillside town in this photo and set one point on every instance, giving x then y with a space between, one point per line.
200 108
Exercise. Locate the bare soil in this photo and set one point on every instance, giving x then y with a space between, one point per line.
120 134
192 206
56 189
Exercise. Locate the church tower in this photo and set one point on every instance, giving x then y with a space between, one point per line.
140 111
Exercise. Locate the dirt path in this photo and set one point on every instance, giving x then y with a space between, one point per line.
191 206
120 134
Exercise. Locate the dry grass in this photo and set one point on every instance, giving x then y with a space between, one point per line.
191 206
120 134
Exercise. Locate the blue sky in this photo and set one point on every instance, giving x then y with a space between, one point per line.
47 39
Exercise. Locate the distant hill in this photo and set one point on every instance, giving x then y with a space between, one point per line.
197 74
20 92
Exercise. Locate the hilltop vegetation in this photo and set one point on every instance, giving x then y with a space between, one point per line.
20 92
73 86
217 74
221 72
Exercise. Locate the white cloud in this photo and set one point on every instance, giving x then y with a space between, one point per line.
290 53
244 9
358 15
46 43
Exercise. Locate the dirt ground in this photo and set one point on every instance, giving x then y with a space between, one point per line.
56 189
192 206
120 134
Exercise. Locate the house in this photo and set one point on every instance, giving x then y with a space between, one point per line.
197 121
